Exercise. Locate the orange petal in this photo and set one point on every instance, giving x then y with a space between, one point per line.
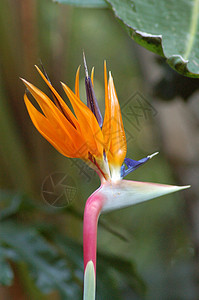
77 83
106 128
89 126
43 125
117 150
61 104
53 114
56 137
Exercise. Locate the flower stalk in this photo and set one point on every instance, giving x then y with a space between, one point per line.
92 211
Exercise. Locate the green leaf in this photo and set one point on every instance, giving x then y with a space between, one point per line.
12 204
55 262
85 3
9 205
48 269
167 27
6 274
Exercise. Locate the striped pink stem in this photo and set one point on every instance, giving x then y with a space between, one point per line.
91 214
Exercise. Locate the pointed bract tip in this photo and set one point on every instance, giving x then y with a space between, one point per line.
152 155
92 75
85 65
185 187
92 71
105 64
64 86
38 69
126 193
24 81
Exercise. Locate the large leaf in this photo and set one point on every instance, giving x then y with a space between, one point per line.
167 27
84 3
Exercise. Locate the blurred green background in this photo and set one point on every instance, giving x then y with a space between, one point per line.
144 252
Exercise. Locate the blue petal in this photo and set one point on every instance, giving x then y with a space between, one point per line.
132 164
122 171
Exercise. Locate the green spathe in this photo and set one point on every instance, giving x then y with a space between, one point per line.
89 282
125 193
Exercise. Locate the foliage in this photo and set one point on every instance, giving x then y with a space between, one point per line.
170 29
53 261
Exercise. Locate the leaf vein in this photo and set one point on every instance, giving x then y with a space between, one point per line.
193 28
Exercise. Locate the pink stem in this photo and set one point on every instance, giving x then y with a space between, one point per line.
91 214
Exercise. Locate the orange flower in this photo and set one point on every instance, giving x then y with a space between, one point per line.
79 134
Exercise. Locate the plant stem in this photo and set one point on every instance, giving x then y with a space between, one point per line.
91 214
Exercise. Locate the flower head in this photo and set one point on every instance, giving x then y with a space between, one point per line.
84 134
100 143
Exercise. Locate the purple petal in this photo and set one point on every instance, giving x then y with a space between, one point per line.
91 98
132 164
92 101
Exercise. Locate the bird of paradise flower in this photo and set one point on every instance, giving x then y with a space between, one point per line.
102 145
